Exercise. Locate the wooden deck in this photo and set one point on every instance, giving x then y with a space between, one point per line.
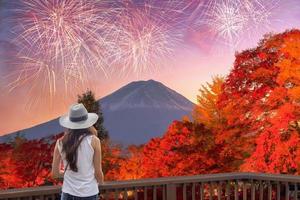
227 186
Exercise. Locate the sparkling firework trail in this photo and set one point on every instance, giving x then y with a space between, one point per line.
68 41
65 42
232 22
62 41
227 19
261 14
147 36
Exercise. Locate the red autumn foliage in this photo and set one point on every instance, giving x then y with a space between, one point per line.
249 122
111 160
185 149
131 165
261 102
7 177
33 162
28 163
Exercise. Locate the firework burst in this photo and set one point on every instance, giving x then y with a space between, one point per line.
147 36
66 42
227 19
261 14
61 41
232 22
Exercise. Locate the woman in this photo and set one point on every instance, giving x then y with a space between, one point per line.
80 151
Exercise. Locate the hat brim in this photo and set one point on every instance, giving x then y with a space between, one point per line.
67 123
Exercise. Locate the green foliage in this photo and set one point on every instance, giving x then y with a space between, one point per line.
16 140
89 101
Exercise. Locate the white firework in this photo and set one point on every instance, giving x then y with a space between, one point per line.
147 37
60 42
233 22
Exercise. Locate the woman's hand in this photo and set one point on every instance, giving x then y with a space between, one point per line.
102 183
93 130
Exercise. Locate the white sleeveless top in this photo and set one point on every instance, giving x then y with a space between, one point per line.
83 182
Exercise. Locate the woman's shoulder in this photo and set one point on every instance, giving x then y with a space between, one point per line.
62 137
59 140
59 143
95 140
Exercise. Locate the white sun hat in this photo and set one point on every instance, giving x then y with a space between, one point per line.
78 117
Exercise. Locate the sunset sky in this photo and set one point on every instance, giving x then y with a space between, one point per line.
179 43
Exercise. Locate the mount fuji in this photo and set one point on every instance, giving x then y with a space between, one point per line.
133 114
142 110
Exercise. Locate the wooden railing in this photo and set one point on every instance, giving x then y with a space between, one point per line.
227 186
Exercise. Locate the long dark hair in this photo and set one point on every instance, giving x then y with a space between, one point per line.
70 144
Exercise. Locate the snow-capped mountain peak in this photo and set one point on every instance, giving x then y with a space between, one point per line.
145 94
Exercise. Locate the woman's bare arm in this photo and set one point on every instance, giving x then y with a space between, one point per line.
56 172
97 160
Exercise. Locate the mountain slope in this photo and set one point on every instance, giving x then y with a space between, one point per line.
145 94
142 110
133 114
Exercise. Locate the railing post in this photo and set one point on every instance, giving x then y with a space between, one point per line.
184 191
261 190
135 193
164 188
244 190
219 190
125 194
236 196
295 192
145 193
116 194
171 191
193 191
201 191
278 191
269 190
252 190
210 191
227 190
154 192
287 191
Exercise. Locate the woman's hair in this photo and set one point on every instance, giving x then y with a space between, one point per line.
70 144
